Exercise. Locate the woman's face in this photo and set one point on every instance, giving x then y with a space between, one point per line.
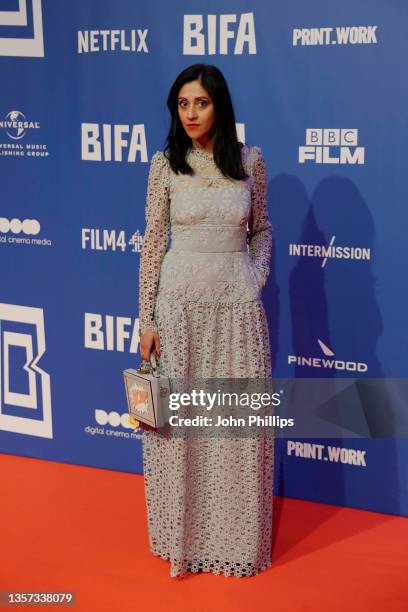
196 111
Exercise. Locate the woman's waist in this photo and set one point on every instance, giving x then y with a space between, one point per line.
207 238
214 274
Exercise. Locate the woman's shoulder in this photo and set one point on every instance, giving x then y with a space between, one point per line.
251 155
252 151
159 157
159 163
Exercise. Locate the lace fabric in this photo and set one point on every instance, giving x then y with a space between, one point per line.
209 501
165 187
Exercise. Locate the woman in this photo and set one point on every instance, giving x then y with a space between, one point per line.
209 501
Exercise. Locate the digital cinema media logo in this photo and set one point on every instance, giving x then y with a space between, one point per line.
331 146
25 391
21 29
327 361
22 232
230 34
331 251
113 424
343 35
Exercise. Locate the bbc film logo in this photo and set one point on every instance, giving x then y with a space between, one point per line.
335 146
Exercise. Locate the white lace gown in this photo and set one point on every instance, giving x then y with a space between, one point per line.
208 500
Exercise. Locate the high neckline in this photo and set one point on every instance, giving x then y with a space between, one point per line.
201 151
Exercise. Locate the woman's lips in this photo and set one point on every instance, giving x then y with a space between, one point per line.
192 125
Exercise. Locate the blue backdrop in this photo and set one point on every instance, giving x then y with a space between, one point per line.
322 88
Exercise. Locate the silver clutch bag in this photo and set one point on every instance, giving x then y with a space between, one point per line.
147 394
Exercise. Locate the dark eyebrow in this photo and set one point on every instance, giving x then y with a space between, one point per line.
197 98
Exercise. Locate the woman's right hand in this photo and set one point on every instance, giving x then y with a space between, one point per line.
149 341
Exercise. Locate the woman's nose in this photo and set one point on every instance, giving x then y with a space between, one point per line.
191 112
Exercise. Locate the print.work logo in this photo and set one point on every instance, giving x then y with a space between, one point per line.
25 390
22 30
344 35
331 146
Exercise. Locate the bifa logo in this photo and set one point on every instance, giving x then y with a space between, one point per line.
109 333
113 142
94 41
327 362
93 239
331 146
331 251
22 30
25 391
344 35
223 34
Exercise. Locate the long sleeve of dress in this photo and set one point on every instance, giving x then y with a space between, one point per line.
155 239
259 225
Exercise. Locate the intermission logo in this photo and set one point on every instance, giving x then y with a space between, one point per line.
327 362
25 398
232 34
118 143
320 452
17 231
331 146
21 30
16 127
95 41
111 333
343 35
331 251
93 239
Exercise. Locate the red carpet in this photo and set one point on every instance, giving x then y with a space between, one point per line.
71 528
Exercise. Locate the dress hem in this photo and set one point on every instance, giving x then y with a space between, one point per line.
218 570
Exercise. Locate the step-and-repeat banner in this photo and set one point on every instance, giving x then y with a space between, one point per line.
322 89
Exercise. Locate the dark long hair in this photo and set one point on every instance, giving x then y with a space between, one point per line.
226 147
